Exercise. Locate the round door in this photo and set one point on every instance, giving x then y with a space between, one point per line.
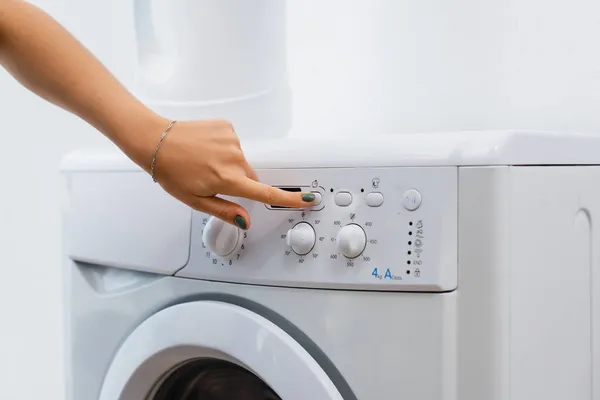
213 350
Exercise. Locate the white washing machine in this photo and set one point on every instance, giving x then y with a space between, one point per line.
435 267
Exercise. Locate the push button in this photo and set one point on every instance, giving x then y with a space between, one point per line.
318 198
412 200
343 199
374 199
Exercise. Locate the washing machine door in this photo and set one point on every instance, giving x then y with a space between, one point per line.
213 350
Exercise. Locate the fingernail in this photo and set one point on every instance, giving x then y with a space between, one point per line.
240 222
308 197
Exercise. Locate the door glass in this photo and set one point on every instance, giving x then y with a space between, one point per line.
210 379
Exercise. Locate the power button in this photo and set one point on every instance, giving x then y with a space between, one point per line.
412 199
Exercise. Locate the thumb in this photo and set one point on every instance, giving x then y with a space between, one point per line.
225 210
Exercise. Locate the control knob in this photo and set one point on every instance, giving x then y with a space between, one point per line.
301 238
220 237
351 240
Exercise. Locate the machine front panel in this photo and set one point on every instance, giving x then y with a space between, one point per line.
372 229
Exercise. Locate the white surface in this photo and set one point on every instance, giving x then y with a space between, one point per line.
35 136
261 115
520 325
412 199
351 241
318 198
392 66
404 251
301 238
536 71
142 209
342 324
565 260
374 199
343 199
398 66
485 283
528 251
238 49
215 59
220 237
510 147
207 329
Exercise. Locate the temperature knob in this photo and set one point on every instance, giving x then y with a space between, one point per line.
220 237
301 238
351 240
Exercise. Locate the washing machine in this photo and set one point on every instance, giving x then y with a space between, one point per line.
438 266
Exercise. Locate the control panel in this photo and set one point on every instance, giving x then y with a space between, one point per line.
369 229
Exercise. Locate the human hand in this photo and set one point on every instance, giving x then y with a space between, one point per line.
199 160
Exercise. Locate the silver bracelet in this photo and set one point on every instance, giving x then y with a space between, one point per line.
162 137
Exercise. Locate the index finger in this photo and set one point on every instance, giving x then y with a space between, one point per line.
270 195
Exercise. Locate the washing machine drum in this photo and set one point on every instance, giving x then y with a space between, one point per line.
210 379
212 350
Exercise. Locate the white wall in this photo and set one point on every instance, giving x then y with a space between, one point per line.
446 65
34 137
548 64
389 66
395 66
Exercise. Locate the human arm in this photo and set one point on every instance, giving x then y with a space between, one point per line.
197 160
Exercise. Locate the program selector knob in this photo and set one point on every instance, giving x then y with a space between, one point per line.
301 238
351 240
220 237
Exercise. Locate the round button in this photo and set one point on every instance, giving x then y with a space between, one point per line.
301 238
351 240
318 199
220 237
412 199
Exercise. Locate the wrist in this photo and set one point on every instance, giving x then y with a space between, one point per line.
139 137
